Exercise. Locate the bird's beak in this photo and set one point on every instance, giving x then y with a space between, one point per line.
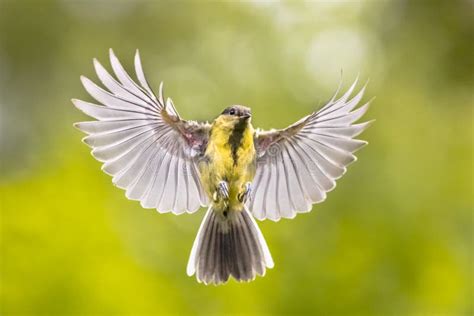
246 116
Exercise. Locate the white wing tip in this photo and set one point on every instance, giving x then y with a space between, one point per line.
269 263
190 270
76 103
85 81
79 126
160 94
113 57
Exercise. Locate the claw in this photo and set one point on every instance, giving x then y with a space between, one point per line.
245 195
223 190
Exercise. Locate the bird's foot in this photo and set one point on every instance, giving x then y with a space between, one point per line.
245 195
222 191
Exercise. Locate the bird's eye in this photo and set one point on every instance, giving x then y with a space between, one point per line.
232 112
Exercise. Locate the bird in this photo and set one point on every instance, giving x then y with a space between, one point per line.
239 173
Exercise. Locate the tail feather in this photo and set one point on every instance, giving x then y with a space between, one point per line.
227 246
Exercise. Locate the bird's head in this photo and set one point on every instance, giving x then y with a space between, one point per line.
236 113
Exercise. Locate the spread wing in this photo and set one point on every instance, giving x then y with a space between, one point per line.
142 141
297 165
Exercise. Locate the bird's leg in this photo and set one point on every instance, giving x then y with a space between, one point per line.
222 191
245 195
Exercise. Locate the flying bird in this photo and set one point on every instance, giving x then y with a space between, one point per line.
238 172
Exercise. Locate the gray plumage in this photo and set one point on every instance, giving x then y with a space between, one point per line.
228 246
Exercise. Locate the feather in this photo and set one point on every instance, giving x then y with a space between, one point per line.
146 154
315 151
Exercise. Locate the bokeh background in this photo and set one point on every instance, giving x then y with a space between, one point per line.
394 238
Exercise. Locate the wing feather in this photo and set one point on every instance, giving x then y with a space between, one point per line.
124 162
284 199
169 187
259 189
115 87
145 187
116 101
297 192
127 82
128 178
142 142
141 76
297 166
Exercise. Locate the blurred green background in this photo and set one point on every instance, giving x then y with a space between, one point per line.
394 238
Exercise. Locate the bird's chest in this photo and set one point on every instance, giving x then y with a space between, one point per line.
231 154
244 157
232 159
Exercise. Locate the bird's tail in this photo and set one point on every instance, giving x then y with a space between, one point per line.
228 244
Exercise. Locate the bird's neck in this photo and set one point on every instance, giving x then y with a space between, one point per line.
240 132
226 132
